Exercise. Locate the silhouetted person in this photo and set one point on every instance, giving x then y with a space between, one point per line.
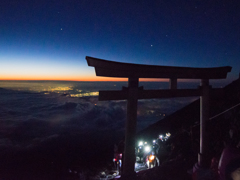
229 153
121 146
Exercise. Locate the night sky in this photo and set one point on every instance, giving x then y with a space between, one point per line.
49 39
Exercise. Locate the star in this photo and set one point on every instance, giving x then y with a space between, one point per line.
61 29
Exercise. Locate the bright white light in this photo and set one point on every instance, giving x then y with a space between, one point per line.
147 149
154 141
140 143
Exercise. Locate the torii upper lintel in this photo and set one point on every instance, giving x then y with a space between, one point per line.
125 70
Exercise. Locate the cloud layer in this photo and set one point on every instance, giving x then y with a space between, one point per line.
53 130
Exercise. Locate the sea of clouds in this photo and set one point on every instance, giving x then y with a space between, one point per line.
58 125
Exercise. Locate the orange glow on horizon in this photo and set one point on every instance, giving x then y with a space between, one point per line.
85 78
61 79
74 79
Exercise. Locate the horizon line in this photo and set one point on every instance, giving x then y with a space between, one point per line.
125 80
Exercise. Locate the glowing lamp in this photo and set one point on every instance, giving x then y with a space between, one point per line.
147 149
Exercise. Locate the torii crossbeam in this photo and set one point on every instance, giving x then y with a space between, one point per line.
132 93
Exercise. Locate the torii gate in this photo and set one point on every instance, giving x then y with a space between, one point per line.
132 93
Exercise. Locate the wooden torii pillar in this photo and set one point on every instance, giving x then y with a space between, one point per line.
132 93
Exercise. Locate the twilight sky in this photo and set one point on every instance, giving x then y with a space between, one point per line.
49 39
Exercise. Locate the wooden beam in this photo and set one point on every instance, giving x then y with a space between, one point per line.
113 95
149 94
124 70
168 93
156 94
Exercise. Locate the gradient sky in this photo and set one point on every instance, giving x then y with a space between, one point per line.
49 39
